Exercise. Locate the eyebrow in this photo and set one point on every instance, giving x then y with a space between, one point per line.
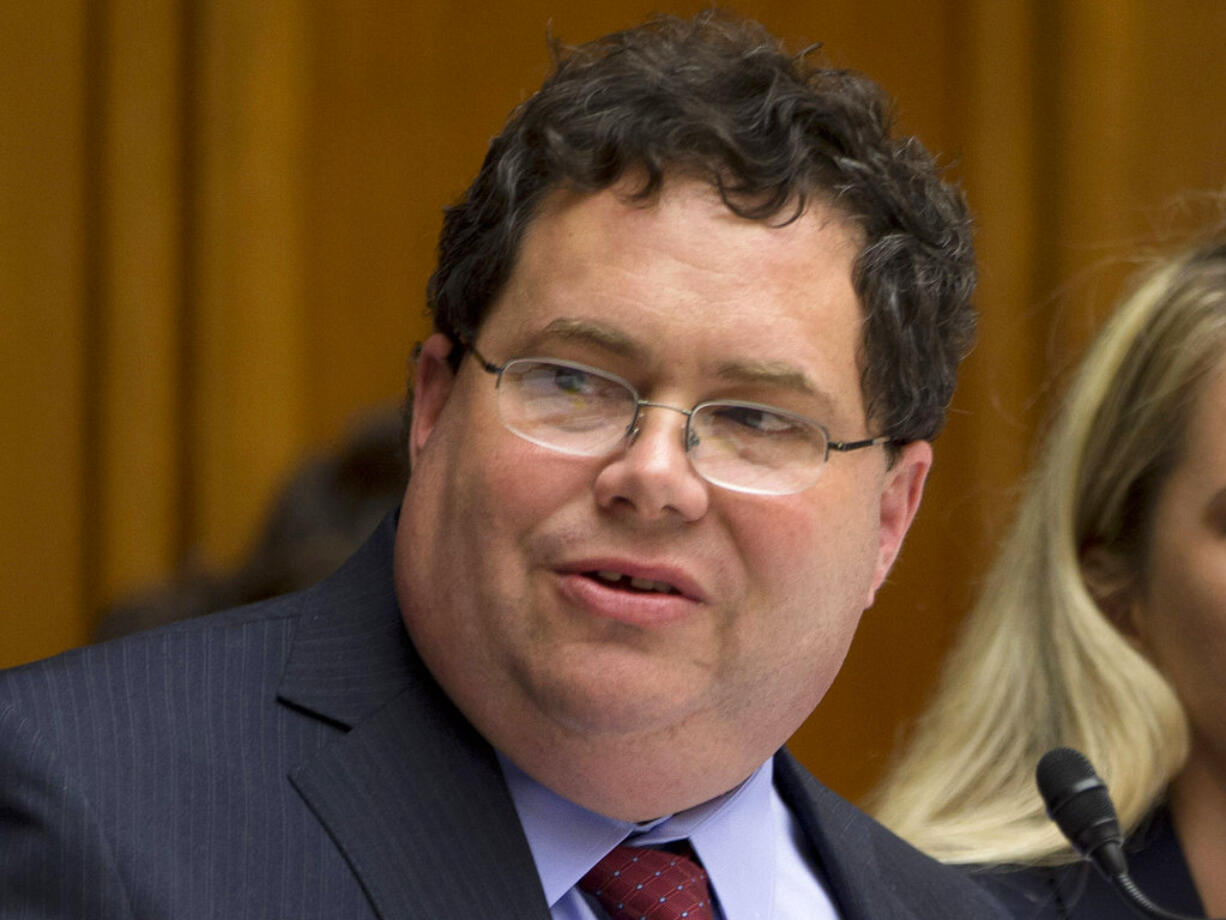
587 332
770 373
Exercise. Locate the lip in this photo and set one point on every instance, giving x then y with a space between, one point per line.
676 576
638 609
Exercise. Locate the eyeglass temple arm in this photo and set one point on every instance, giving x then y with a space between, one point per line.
856 445
481 359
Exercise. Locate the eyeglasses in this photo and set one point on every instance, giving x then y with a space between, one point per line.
579 410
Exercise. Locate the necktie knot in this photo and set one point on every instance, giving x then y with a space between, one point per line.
639 883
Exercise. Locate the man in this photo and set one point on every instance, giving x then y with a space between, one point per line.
698 318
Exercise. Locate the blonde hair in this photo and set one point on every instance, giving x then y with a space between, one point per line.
1039 663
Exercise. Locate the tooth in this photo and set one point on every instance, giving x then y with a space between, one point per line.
609 576
646 584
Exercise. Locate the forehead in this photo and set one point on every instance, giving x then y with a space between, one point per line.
697 240
682 282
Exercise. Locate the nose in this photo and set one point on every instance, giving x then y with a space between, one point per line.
651 475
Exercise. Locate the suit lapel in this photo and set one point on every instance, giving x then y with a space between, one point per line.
411 793
846 853
871 874
422 816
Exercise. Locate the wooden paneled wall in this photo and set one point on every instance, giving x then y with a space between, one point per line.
216 222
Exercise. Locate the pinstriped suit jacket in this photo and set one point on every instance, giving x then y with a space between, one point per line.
294 759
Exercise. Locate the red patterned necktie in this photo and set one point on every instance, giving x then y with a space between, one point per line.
639 883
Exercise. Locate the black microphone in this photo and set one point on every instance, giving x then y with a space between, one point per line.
1078 801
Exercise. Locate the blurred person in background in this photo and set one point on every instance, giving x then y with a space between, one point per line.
1101 627
330 504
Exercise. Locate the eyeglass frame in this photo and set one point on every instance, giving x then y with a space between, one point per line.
689 439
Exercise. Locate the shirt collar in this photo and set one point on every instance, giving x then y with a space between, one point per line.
732 834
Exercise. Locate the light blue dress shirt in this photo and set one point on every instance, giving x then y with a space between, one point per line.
748 841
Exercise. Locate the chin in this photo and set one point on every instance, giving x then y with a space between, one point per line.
600 697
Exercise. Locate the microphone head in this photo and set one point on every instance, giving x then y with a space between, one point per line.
1062 768
1078 801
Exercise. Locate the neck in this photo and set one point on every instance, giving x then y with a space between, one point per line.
1198 810
631 779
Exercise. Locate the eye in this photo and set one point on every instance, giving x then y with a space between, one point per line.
542 380
755 420
577 384
574 381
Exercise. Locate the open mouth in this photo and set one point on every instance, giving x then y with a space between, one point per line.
636 585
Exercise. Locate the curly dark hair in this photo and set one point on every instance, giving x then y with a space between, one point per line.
717 98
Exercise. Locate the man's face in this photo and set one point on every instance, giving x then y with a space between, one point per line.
500 539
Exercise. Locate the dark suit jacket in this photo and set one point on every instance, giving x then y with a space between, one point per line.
1076 891
295 759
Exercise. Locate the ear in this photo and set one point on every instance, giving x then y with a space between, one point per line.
430 391
1109 581
900 499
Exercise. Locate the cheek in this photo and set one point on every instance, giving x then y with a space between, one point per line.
511 497
824 543
523 487
1199 638
486 476
809 570
1185 625
807 582
461 492
474 506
